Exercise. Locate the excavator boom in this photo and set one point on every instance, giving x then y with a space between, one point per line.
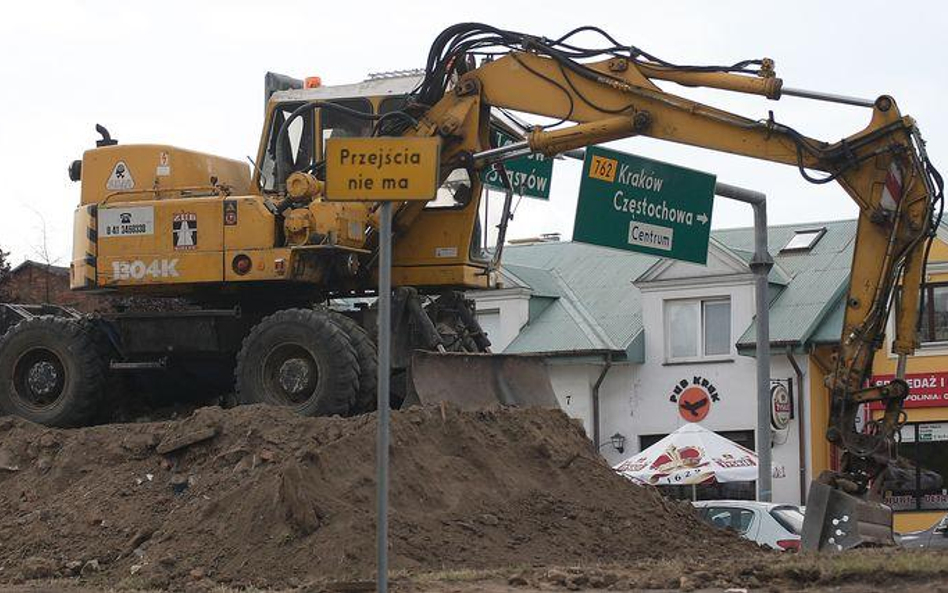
883 168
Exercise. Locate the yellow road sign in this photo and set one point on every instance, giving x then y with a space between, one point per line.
382 169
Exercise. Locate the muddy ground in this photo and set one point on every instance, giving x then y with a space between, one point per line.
852 572
256 498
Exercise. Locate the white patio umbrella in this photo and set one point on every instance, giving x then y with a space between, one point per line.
691 455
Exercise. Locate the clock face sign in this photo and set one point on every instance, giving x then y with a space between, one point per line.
694 398
694 403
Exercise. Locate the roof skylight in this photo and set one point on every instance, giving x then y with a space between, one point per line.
804 239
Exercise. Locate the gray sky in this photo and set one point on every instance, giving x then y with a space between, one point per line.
190 74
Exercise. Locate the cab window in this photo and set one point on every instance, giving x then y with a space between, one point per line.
337 124
455 192
298 144
390 104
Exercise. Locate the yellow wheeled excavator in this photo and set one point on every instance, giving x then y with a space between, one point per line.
260 255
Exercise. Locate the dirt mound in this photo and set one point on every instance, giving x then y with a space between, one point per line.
259 496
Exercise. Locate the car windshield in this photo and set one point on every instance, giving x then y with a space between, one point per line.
790 517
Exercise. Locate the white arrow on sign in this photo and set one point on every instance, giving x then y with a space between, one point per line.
703 218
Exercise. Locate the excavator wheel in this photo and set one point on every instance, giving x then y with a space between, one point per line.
299 358
366 399
51 371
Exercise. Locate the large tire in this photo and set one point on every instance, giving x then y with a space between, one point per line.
51 371
366 398
298 358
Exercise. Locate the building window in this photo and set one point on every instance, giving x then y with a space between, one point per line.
916 481
697 329
803 240
934 322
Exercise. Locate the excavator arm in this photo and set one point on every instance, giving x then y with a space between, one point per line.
883 168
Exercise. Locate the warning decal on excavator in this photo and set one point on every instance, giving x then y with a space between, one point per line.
382 169
121 178
230 213
184 229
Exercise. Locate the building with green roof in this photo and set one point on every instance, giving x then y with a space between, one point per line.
637 345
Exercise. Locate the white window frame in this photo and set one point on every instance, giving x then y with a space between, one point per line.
699 336
938 348
817 235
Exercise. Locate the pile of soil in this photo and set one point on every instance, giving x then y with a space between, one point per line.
258 496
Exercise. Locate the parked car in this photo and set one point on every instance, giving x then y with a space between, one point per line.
935 536
777 526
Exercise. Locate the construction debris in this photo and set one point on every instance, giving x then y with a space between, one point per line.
272 498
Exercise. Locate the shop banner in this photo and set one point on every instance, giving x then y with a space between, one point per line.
927 390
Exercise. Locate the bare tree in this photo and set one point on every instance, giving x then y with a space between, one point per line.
42 252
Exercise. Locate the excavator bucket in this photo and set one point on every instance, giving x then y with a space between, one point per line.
837 521
473 381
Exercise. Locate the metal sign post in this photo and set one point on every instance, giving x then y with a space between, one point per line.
384 407
760 265
383 170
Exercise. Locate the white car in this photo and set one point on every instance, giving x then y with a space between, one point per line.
777 526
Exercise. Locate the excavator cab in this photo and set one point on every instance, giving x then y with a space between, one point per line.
440 350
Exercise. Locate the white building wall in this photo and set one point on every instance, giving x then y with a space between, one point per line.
786 443
502 314
635 398
573 383
733 378
617 413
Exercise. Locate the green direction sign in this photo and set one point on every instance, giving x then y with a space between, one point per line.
530 175
634 203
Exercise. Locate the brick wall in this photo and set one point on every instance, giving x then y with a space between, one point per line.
35 283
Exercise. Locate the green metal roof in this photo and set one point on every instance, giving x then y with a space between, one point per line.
831 326
540 281
829 329
594 306
818 279
777 274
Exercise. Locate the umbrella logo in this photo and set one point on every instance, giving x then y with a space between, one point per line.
689 456
684 462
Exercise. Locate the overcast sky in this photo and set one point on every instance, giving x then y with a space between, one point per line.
191 74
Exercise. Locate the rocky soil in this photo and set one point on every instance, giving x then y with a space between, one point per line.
258 497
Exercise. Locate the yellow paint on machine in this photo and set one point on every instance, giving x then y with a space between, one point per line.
382 169
819 407
915 520
82 269
151 171
161 242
